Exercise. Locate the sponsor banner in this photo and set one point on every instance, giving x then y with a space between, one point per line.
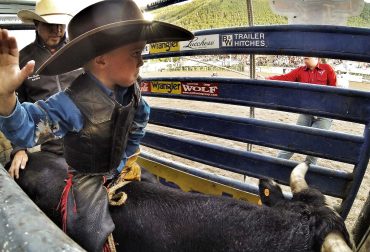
163 47
145 86
201 42
243 39
202 89
167 87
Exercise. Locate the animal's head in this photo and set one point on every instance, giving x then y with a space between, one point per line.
330 233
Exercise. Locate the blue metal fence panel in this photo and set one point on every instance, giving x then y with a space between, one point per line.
347 105
328 181
301 40
336 103
321 143
358 174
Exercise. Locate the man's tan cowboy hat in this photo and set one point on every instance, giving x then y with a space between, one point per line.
104 26
47 11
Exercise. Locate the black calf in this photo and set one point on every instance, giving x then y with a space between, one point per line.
158 218
309 203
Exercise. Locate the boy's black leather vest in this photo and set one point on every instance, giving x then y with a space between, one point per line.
99 146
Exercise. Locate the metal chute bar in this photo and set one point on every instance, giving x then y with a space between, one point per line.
23 227
295 40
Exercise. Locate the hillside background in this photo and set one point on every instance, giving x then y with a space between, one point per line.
207 14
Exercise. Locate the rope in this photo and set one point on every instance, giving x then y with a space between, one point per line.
117 199
130 172
111 243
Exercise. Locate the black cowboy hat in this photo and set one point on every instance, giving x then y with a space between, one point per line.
104 26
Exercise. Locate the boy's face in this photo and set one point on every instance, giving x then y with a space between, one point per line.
123 64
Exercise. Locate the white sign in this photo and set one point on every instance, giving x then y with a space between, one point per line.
201 42
243 39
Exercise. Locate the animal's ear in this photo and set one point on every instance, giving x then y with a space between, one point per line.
270 192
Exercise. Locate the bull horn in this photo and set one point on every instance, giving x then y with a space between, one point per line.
297 181
334 242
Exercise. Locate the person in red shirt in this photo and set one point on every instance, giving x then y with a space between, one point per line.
313 72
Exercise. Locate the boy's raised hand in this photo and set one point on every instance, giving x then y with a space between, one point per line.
11 77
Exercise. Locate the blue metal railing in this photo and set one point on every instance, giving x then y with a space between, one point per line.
264 133
336 103
336 42
342 104
347 105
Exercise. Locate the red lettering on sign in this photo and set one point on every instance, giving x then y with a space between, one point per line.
145 87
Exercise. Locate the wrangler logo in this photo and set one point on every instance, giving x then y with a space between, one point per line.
166 87
164 47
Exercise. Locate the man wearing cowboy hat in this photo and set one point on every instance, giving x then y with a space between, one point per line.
102 115
50 18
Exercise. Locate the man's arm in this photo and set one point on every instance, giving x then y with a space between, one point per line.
11 77
137 131
291 76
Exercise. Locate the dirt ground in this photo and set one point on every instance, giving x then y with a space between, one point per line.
263 114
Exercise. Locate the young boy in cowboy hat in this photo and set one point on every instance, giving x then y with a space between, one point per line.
50 18
101 116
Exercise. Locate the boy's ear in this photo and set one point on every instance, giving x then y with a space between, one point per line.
100 61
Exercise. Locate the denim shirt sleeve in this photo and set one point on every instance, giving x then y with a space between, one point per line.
137 131
34 123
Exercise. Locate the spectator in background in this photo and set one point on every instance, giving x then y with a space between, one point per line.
316 73
50 19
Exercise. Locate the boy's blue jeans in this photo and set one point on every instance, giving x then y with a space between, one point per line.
309 121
